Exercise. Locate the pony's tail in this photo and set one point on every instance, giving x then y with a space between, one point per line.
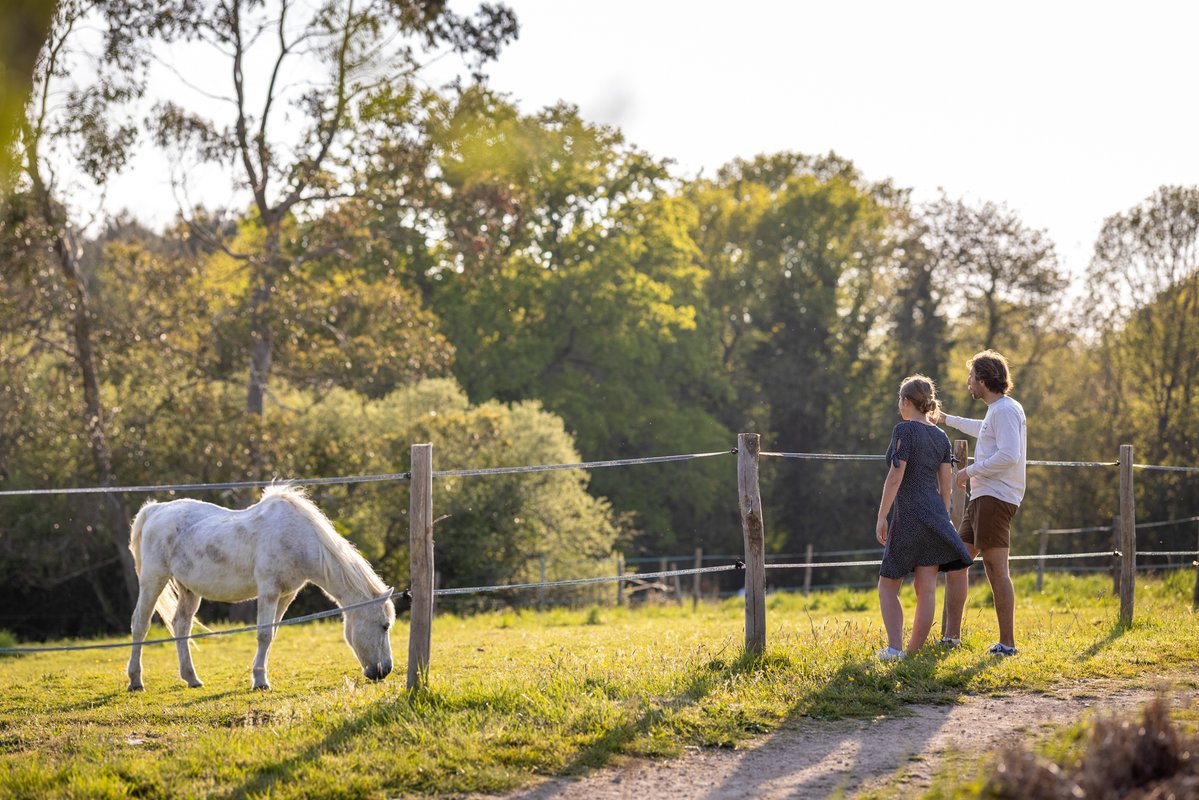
135 535
168 600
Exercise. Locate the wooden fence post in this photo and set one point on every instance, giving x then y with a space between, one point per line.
699 564
420 546
1128 535
807 573
620 584
1042 548
753 529
957 509
541 589
1116 559
1195 563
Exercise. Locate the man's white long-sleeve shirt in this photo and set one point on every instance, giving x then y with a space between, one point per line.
1001 452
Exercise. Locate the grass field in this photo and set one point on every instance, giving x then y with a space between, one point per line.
513 695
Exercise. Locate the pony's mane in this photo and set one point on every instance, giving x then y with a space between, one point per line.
338 554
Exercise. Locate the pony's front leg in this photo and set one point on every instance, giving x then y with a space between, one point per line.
189 602
267 607
148 590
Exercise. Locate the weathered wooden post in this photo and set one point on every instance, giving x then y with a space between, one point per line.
699 564
1128 535
620 583
1116 558
807 573
672 581
420 547
1195 594
541 589
1042 548
957 508
748 447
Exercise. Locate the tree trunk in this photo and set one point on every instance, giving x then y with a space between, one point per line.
66 251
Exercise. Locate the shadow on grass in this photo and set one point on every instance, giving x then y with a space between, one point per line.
1118 629
703 680
598 753
873 718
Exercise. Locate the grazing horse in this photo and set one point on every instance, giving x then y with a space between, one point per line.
184 550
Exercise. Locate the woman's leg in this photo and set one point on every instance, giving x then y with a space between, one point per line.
888 600
926 604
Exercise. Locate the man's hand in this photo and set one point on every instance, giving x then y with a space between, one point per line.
962 477
880 531
938 418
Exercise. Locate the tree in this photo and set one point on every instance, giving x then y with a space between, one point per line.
1144 307
798 248
1002 285
919 325
294 147
84 127
568 275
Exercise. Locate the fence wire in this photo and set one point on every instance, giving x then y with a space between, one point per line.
632 576
353 479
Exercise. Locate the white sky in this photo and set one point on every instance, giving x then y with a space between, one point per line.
1066 112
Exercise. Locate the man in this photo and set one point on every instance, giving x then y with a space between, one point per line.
996 489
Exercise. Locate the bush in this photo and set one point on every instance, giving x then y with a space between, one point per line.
1123 761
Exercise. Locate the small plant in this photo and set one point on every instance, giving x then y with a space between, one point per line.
593 616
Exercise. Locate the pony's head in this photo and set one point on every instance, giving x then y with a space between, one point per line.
368 633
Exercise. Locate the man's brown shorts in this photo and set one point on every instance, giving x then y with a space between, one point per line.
987 523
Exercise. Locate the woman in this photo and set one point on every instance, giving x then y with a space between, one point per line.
913 517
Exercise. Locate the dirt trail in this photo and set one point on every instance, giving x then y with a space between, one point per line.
813 759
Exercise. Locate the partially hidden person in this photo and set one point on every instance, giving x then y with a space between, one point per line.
996 481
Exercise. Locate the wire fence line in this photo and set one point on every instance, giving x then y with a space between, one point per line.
201 487
514 470
631 576
354 479
1030 462
332 612
978 560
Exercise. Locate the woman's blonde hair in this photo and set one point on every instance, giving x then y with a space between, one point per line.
922 392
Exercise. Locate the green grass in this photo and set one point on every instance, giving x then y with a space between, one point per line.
513 694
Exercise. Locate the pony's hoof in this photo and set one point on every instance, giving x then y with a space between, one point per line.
136 687
194 684
262 687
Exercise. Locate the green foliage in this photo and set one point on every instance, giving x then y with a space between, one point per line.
492 529
589 303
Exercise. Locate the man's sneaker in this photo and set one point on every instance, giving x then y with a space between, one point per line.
891 654
948 643
1001 649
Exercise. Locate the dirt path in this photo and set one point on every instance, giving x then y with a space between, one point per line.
813 759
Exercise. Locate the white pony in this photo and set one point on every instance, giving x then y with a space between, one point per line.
184 550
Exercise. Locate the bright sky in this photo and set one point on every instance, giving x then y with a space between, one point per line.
1067 112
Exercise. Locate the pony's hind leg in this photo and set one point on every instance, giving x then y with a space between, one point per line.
268 605
284 602
150 586
189 602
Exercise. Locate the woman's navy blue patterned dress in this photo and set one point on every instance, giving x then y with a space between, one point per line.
919 532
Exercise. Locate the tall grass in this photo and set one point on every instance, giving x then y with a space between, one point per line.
518 694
